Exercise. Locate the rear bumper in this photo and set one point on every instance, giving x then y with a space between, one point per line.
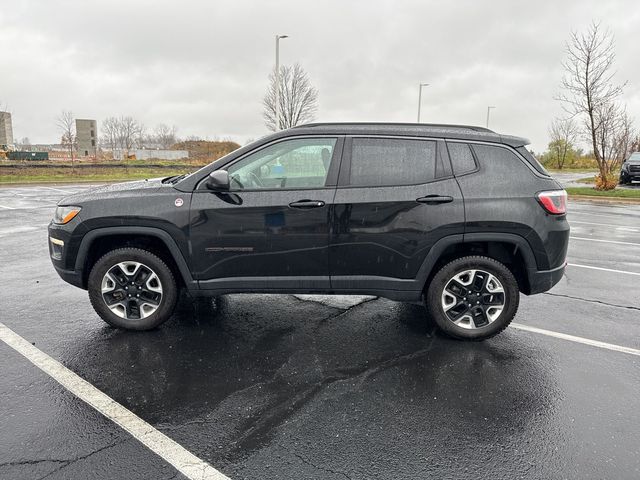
543 280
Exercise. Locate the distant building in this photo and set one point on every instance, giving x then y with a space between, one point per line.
87 137
6 129
144 154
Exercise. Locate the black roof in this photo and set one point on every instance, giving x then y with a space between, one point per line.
464 132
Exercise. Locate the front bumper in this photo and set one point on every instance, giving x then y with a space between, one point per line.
60 243
69 276
543 280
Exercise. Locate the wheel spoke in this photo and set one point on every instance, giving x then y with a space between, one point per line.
456 288
113 298
479 317
118 275
479 280
457 311
496 299
141 275
133 309
152 298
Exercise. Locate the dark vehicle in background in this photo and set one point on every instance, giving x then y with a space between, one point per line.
630 171
458 217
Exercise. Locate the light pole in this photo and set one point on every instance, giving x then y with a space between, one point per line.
488 112
420 97
278 37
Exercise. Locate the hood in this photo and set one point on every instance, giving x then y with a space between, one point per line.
114 190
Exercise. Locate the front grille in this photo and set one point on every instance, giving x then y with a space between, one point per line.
634 168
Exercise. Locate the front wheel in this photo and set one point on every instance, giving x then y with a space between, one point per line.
133 289
473 298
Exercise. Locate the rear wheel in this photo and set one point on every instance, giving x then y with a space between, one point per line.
473 298
133 289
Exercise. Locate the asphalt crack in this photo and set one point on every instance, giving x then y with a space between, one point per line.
71 461
264 422
589 300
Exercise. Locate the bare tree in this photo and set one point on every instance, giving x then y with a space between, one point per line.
110 135
589 90
67 126
563 134
128 133
622 137
122 134
165 136
298 99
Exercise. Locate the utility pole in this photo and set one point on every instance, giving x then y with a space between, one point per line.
420 97
278 37
488 112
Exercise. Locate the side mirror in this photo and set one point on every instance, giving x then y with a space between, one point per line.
218 181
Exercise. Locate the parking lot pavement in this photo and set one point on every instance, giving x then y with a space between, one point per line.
306 387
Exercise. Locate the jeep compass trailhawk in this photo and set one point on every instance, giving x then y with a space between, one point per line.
457 217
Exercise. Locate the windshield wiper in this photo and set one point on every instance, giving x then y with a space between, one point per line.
175 178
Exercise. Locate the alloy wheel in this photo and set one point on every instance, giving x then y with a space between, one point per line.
473 299
131 290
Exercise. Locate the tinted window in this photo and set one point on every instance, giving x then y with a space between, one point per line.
388 161
500 163
300 163
461 158
532 160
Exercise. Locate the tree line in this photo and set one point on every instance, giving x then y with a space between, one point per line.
121 134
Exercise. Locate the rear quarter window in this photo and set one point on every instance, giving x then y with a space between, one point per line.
500 163
533 161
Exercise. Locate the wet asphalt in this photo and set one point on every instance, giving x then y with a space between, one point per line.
308 387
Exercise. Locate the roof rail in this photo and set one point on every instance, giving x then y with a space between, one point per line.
444 126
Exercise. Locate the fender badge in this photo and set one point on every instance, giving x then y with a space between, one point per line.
179 202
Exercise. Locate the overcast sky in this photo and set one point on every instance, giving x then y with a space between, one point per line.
202 65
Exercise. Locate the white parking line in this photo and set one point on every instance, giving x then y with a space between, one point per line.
619 227
573 338
8 208
603 269
184 461
604 241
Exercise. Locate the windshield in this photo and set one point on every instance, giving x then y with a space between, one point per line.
634 158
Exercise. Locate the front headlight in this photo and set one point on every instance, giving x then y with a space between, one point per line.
625 166
65 214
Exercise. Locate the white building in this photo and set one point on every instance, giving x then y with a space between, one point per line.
148 154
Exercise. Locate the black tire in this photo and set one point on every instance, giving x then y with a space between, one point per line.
510 299
165 279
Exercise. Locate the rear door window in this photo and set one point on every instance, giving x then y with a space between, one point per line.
379 162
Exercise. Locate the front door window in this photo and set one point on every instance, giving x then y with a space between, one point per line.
291 164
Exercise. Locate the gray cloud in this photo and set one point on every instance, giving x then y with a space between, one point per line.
203 65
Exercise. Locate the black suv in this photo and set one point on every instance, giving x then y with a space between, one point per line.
630 170
458 217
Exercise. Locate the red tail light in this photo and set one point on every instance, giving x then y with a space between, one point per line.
553 201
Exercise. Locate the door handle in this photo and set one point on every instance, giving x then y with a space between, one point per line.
435 199
305 204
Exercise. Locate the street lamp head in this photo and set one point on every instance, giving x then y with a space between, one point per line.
424 84
282 36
